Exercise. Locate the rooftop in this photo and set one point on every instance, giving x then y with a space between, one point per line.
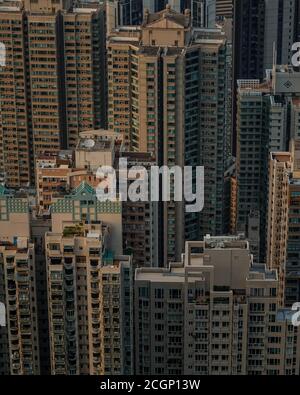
285 68
261 270
94 144
181 19
226 242
71 231
254 86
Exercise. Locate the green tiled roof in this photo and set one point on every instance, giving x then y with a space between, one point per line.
16 205
84 189
87 197
11 204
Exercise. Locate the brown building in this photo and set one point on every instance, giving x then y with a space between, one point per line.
278 211
58 175
167 95
53 84
21 287
89 287
293 245
19 339
214 312
51 178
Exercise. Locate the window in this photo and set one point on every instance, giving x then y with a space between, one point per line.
159 293
175 293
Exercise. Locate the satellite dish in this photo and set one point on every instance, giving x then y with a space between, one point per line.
89 143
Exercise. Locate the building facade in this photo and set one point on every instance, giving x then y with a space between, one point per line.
19 340
159 102
280 165
267 119
89 287
48 95
88 290
215 313
264 33
292 293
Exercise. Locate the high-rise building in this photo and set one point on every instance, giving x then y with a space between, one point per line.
90 303
39 227
89 287
4 347
267 118
252 154
14 128
167 95
280 165
19 340
248 39
283 221
264 31
139 218
125 12
140 221
203 13
292 293
58 175
53 84
212 313
19 288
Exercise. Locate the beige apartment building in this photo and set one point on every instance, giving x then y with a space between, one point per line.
14 128
52 86
215 312
89 298
20 286
94 148
133 70
283 251
166 95
280 166
292 293
97 148
59 175
19 343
